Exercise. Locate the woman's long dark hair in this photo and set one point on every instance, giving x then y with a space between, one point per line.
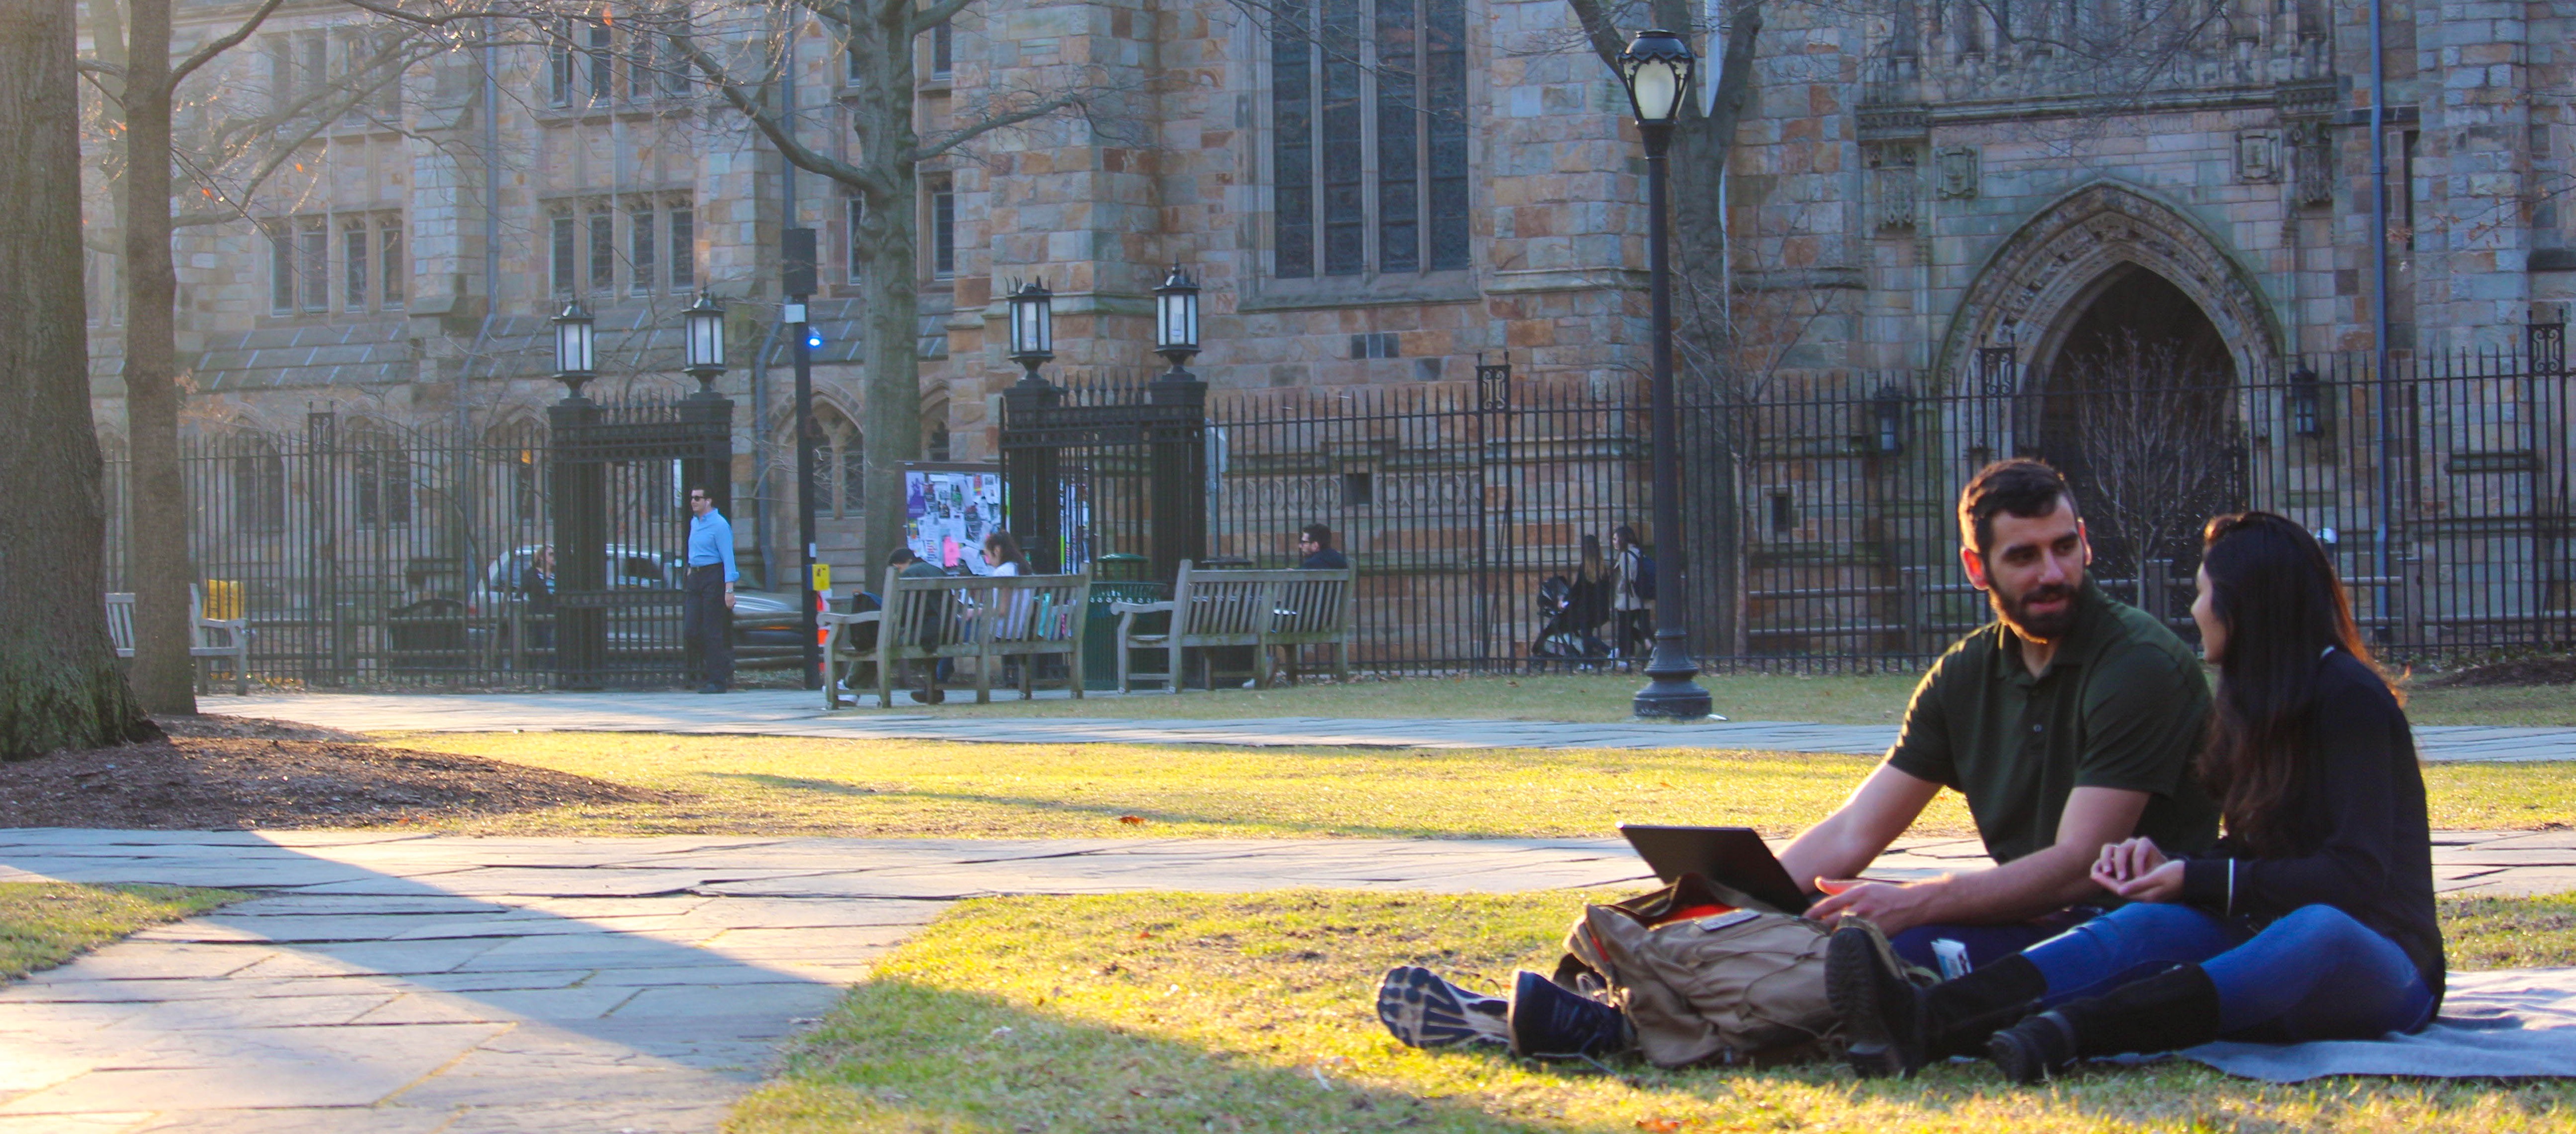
1590 569
2274 589
1005 548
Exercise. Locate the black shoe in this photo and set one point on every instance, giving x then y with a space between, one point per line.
931 696
711 687
2169 1011
1550 1021
1895 1025
1423 1010
1881 1011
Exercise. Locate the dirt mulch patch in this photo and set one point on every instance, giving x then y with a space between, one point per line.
2528 671
219 772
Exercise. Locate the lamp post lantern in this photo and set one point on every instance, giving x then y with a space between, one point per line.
1176 323
1032 329
705 350
1656 69
576 352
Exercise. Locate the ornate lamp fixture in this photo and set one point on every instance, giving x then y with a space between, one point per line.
1176 322
1032 328
575 348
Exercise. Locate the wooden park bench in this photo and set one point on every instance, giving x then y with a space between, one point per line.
1260 609
924 619
202 632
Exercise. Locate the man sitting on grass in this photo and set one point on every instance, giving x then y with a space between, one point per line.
2068 723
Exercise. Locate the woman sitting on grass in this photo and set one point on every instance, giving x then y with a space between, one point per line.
2312 920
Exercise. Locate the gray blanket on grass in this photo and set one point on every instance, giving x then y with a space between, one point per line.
2502 1023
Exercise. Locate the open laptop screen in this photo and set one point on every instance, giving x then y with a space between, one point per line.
1735 857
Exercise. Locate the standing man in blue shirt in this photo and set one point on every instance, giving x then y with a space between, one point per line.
706 610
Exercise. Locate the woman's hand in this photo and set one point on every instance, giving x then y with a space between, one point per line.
2124 862
2163 884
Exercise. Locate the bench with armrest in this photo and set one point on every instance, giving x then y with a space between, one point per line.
227 638
1261 609
926 619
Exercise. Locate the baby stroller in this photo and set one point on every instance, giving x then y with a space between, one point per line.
1568 613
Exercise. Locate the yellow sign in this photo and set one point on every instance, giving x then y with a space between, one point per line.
822 578
223 598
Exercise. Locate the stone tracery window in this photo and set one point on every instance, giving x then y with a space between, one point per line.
1369 136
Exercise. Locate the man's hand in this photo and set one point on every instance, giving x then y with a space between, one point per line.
1893 907
728 600
2163 884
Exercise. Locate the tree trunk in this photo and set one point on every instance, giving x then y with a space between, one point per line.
59 685
890 419
163 672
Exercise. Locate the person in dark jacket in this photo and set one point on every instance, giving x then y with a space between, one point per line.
2311 920
1315 544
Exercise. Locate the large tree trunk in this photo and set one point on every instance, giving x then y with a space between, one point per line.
59 685
882 115
163 672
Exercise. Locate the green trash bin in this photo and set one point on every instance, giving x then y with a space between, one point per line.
1100 636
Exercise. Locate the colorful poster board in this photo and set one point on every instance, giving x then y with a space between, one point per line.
947 508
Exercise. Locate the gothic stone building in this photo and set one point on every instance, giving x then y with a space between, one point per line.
1380 198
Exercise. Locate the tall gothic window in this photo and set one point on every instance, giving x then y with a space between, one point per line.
1369 138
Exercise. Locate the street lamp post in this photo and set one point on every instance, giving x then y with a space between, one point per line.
1656 69
578 490
1032 500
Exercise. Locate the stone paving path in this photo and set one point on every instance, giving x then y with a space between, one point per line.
418 984
797 713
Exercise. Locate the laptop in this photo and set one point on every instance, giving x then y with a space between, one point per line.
1733 858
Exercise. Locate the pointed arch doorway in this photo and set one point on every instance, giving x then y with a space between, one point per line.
2137 404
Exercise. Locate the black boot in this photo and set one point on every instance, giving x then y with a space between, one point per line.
1893 1027
2169 1011
1549 1020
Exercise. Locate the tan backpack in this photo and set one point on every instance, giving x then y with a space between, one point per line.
1698 985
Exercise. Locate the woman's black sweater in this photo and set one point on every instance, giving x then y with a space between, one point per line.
2355 815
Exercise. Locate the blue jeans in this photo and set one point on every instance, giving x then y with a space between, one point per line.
1987 944
2314 974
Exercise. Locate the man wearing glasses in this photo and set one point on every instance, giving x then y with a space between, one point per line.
706 610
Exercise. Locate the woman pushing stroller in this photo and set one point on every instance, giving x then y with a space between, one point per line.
2312 919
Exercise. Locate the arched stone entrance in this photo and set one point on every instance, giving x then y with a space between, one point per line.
2118 331
2034 289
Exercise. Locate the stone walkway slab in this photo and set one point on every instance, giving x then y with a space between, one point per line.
795 713
384 983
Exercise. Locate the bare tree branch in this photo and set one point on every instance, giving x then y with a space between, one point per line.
207 52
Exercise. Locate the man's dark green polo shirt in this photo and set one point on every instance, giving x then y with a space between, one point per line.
2122 705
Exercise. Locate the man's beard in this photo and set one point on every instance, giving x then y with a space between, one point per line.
2049 627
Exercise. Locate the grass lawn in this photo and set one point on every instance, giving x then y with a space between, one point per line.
1859 699
43 924
796 785
1200 1012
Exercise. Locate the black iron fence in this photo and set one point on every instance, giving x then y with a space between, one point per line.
365 553
1819 510
372 554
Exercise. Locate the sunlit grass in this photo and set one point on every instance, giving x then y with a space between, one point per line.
1199 1012
901 788
43 924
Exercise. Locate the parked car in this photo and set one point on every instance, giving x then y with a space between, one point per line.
767 628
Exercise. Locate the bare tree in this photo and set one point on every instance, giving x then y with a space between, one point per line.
2158 446
227 159
59 684
882 171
